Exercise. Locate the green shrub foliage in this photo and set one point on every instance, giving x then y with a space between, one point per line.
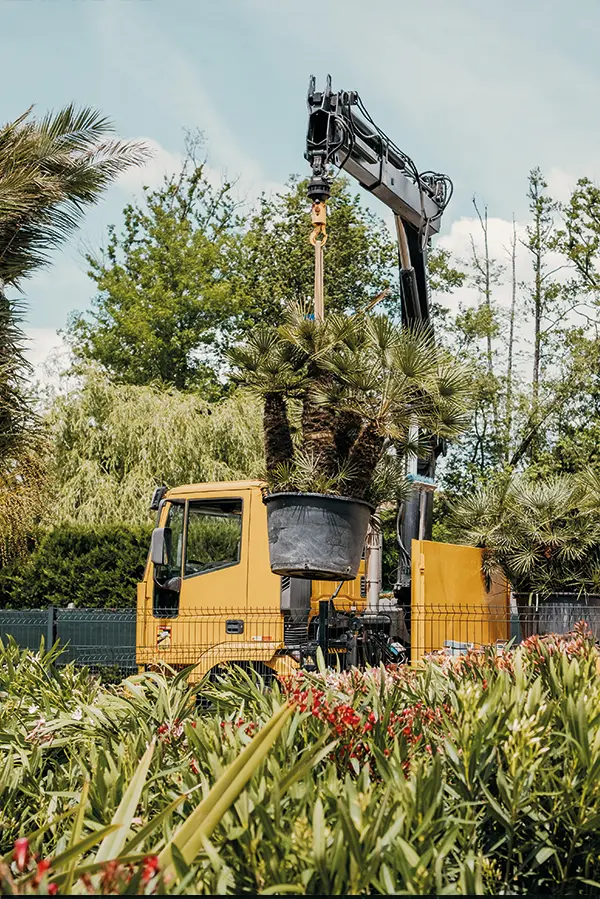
474 775
92 566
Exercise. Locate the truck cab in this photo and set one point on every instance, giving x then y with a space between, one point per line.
209 597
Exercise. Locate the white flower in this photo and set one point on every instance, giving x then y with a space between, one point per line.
32 709
77 715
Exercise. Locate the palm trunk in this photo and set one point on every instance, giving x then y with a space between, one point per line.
318 432
347 429
276 427
363 459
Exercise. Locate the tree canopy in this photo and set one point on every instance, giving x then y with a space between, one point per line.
51 170
112 444
190 272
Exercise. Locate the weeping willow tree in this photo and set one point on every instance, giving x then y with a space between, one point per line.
113 444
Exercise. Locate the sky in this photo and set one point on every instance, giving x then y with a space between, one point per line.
481 90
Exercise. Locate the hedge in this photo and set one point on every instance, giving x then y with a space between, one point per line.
91 566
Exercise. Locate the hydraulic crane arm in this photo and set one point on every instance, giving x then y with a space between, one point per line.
341 133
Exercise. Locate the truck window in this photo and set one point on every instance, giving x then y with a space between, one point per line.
166 602
214 535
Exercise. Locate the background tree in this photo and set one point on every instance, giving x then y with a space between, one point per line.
547 354
112 444
51 169
360 257
170 287
189 274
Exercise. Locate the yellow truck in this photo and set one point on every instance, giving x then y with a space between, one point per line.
209 598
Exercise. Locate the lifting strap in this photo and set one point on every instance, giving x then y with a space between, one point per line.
318 239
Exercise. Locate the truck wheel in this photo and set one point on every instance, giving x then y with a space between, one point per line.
257 670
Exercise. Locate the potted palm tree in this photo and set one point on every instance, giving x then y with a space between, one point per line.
342 399
545 537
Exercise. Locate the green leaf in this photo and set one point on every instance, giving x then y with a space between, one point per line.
75 835
283 888
544 854
318 828
114 843
190 836
181 868
82 846
409 853
156 821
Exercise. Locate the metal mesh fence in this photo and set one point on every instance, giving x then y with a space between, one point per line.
92 637
120 641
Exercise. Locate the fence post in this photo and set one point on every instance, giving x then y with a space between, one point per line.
51 627
324 628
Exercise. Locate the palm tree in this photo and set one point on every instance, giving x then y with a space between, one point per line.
544 535
363 384
264 365
50 171
389 380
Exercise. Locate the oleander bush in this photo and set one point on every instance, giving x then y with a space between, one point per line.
478 774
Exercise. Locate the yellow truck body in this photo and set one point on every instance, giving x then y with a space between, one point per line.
229 603
229 606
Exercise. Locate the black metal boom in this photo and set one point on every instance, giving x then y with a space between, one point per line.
341 133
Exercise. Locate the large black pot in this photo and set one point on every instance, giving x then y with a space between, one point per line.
316 537
558 613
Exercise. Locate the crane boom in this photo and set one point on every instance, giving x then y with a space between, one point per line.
341 133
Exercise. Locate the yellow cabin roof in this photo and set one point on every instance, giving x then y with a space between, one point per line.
196 489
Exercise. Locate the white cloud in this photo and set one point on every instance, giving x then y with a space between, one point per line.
41 342
560 184
49 356
145 56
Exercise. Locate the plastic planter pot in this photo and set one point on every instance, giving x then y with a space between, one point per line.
315 536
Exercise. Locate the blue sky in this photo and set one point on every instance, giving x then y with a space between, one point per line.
480 90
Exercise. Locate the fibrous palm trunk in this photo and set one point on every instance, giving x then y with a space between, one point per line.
278 439
318 430
363 459
347 429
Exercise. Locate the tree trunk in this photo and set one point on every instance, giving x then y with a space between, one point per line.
363 459
347 429
318 430
486 273
537 344
276 427
511 343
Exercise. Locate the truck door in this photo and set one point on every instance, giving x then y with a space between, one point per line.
209 555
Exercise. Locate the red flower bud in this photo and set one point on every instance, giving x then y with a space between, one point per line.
150 868
21 853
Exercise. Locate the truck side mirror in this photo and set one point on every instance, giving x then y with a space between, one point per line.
160 547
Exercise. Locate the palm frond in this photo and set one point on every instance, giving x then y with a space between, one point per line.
50 170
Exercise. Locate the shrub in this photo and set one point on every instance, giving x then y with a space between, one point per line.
90 566
470 775
543 535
